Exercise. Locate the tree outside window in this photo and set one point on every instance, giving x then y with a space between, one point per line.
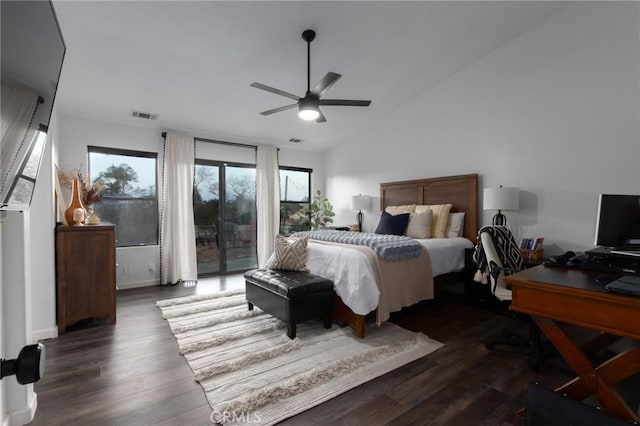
295 193
130 197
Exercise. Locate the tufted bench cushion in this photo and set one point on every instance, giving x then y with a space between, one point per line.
293 297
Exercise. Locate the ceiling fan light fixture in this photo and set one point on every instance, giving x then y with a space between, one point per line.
308 113
308 108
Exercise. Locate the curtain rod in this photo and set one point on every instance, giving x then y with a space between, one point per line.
242 145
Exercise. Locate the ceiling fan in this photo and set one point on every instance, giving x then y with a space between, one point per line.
308 106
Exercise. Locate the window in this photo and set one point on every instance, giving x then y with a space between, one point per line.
224 209
20 194
295 193
130 199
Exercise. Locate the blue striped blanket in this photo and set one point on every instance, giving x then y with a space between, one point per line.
388 247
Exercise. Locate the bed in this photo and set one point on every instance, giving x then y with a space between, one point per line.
366 283
378 288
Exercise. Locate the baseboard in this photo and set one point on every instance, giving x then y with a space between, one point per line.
26 414
47 333
138 284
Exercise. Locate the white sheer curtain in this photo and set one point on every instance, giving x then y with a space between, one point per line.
18 107
177 238
267 200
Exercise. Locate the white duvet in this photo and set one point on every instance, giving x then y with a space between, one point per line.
353 274
446 254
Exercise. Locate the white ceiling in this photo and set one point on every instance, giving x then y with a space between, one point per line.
191 62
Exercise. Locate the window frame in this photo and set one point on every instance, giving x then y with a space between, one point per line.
131 153
9 203
297 203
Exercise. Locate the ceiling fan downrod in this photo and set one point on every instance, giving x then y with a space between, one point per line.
308 36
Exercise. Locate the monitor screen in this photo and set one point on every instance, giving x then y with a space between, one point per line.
618 223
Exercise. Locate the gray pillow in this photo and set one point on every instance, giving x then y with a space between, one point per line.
290 254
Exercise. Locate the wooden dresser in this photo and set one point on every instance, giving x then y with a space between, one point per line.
85 273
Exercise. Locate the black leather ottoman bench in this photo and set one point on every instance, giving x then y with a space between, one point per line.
292 297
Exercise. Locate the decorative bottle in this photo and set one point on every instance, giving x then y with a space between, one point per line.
75 203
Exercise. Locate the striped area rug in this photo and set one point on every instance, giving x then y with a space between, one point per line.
252 372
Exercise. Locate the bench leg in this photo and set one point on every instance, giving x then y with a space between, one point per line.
291 330
250 306
327 321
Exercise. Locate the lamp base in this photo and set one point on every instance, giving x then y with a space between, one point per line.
499 219
359 218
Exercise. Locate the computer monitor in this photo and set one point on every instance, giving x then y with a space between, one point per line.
618 223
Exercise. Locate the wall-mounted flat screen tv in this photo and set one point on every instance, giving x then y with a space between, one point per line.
32 52
618 222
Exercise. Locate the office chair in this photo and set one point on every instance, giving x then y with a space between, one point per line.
497 255
544 407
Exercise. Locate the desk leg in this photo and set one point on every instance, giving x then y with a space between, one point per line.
600 342
589 380
611 371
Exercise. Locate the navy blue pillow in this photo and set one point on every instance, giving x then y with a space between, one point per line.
394 225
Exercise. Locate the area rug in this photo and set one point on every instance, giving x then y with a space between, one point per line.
251 372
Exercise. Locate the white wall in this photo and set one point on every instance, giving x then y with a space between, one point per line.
3 392
20 400
554 112
42 225
75 134
309 160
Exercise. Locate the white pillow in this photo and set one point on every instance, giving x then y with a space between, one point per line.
419 225
455 228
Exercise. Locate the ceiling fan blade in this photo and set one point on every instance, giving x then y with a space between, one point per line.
326 82
282 108
344 102
274 90
321 118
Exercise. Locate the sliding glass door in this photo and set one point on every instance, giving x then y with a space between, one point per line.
224 208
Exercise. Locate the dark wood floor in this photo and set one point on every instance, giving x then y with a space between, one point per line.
131 373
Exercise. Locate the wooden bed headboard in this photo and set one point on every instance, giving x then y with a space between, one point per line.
460 191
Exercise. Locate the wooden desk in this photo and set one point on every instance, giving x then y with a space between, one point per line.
570 296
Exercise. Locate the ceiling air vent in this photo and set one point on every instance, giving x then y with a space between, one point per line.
145 115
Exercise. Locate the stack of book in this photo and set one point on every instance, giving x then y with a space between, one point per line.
531 243
531 249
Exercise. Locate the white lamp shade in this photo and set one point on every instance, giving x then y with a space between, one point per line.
501 198
360 202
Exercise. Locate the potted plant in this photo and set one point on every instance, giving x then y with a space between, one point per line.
319 213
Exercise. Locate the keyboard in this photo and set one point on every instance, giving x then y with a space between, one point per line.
627 284
630 279
626 252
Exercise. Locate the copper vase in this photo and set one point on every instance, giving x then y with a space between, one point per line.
75 203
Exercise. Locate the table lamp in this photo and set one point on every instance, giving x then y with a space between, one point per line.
360 202
501 199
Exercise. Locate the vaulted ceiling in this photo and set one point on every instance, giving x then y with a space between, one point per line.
191 62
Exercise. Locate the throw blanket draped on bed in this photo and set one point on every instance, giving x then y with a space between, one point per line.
388 247
392 284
